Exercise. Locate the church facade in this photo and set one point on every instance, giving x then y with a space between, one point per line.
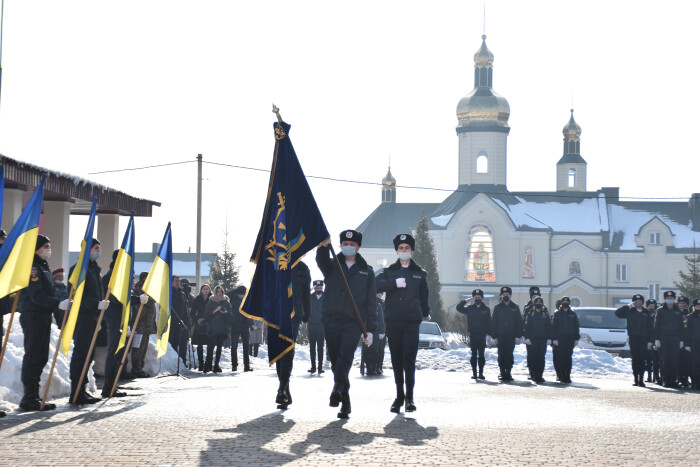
588 245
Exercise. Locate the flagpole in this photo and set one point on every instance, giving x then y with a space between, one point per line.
79 383
9 327
347 290
126 351
58 347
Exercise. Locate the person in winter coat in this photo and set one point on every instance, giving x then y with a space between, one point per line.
639 331
145 327
406 306
537 337
565 336
479 326
179 320
668 338
340 324
256 337
315 327
691 339
373 357
653 363
527 309
61 293
202 328
506 330
684 357
37 304
218 311
240 328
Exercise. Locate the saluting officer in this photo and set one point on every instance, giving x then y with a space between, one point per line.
315 327
537 336
506 328
405 306
479 326
565 336
691 339
668 335
339 322
639 330
37 305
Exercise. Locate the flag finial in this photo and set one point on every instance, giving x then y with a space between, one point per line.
276 110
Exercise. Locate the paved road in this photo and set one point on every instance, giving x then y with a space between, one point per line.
231 419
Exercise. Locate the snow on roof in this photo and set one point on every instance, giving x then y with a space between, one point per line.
442 221
626 222
581 216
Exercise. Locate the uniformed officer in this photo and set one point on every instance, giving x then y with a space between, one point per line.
537 337
668 335
527 309
90 306
684 360
340 325
506 329
639 330
691 339
315 327
405 306
113 321
565 336
37 305
478 326
653 361
5 306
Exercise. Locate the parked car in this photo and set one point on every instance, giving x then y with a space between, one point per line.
430 336
601 329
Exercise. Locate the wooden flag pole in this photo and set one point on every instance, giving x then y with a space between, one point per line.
9 327
126 351
58 347
79 383
347 290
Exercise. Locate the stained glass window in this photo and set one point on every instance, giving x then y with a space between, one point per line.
480 265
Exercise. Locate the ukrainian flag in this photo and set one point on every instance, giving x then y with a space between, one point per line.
2 188
291 226
122 276
17 253
159 287
77 279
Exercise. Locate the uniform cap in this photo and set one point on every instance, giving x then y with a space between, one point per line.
696 301
506 289
477 292
351 236
669 294
57 271
404 238
318 282
537 300
534 290
565 299
637 297
683 299
651 301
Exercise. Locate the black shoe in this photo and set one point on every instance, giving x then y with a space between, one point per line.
90 398
336 395
217 368
143 374
396 406
247 369
481 376
117 393
312 370
281 397
126 376
2 414
641 383
33 405
410 406
344 413
320 370
345 406
474 373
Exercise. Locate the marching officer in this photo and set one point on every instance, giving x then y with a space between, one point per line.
315 327
37 305
340 324
639 330
479 326
668 335
506 328
565 336
537 333
405 306
692 343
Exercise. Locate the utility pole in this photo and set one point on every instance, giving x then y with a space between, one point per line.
199 220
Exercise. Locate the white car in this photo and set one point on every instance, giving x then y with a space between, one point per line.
600 329
430 336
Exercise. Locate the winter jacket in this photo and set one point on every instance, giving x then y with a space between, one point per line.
639 323
668 322
239 321
114 310
93 293
565 325
179 307
316 309
506 321
360 277
537 325
691 335
530 308
301 283
478 318
408 303
218 320
40 295
147 321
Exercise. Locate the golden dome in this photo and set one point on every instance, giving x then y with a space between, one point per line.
388 179
572 130
483 56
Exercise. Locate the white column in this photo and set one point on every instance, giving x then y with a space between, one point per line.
107 234
56 226
12 207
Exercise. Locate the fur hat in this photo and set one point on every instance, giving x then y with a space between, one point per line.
404 238
351 236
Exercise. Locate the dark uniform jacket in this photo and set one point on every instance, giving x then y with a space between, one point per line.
316 309
301 283
639 324
506 321
336 304
668 323
179 308
537 325
115 307
93 293
692 330
40 295
408 303
478 318
238 320
565 325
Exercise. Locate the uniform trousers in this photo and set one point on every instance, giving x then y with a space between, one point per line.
37 333
478 346
638 348
113 359
82 337
341 342
403 347
244 334
506 345
537 351
316 340
670 356
564 353
285 364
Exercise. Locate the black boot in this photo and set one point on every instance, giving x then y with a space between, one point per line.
320 367
396 405
649 377
282 398
107 388
345 405
640 381
481 372
636 380
84 397
501 374
410 406
31 401
336 395
474 372
313 367
508 375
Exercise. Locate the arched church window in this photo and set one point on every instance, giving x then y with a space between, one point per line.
482 163
574 268
480 264
572 178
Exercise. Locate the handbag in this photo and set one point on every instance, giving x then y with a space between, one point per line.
204 328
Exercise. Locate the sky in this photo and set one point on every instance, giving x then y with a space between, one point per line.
91 86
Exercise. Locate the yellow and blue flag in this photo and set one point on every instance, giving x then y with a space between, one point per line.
17 253
291 226
2 188
77 279
122 276
159 287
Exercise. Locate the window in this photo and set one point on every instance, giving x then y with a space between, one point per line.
528 264
482 163
572 178
655 238
575 302
480 265
654 291
574 268
620 272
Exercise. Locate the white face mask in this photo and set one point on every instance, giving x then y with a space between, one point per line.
45 254
404 255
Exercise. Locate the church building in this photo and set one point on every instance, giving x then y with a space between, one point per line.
588 245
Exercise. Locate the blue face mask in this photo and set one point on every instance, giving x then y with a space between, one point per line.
405 255
94 256
669 302
348 251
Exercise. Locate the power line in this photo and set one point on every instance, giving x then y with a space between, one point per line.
140 168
